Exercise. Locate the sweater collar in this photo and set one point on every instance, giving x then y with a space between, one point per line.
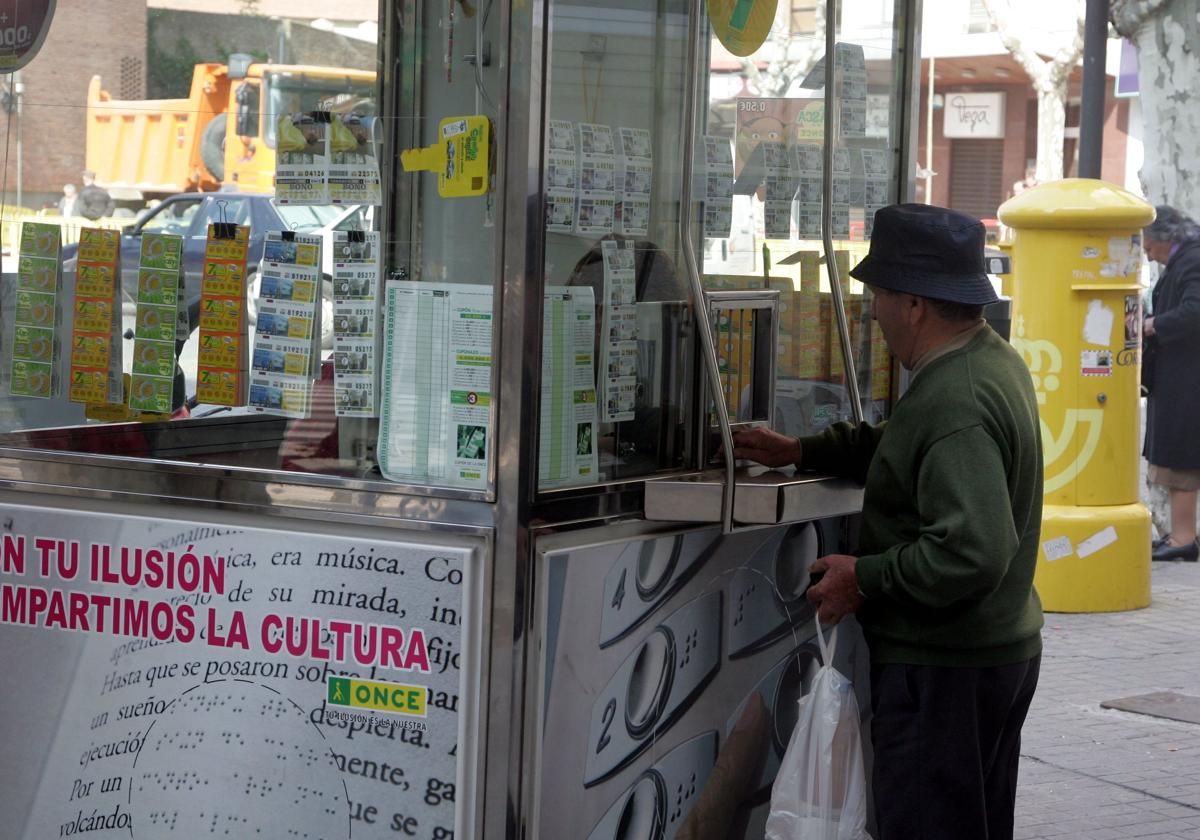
957 343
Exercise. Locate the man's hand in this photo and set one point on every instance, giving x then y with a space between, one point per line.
1148 327
836 595
768 448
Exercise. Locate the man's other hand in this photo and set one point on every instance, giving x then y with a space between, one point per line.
836 594
768 448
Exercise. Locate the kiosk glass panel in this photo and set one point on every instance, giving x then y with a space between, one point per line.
617 367
131 326
763 159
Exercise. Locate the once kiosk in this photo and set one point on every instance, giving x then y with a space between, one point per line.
476 564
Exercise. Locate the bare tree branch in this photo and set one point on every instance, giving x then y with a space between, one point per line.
1033 64
1069 55
1127 16
787 57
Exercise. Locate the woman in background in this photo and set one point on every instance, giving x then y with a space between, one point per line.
1172 375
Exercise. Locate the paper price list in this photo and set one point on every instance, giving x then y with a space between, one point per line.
436 401
96 362
355 283
33 351
568 434
155 323
288 332
221 378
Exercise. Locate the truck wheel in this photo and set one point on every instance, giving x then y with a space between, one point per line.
212 147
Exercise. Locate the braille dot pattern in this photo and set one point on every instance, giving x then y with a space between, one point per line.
235 759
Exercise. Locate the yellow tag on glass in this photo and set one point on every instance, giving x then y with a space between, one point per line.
460 157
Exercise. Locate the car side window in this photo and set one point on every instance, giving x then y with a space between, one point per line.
173 217
235 210
355 221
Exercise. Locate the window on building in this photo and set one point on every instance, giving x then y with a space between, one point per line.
978 19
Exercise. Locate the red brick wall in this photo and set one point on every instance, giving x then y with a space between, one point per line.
1116 139
87 37
1020 138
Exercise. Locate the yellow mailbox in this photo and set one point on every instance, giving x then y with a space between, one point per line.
1076 312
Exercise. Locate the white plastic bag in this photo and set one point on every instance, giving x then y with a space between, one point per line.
821 790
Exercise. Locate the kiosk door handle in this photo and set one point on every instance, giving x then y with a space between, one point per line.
835 284
708 342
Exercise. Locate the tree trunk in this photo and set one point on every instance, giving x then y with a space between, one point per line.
1168 68
1052 123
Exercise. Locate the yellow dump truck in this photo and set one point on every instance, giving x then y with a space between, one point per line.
223 133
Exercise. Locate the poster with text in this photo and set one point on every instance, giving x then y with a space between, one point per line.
184 679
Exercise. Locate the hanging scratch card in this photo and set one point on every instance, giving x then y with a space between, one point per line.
34 344
356 268
561 178
718 187
460 157
221 379
96 363
302 158
595 212
154 329
354 165
287 340
618 346
635 174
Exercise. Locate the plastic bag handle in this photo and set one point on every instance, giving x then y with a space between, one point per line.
827 648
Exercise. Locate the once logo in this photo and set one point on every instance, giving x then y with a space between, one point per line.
379 696
741 25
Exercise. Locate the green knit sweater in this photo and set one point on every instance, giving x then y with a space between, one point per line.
951 514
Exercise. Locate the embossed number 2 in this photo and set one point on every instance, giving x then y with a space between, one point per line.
610 713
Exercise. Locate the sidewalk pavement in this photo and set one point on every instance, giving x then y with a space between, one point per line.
1097 774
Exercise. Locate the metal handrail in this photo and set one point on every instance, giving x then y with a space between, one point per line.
704 328
835 284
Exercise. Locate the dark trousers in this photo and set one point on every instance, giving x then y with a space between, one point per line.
947 744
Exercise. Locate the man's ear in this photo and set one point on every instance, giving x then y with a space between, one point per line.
915 308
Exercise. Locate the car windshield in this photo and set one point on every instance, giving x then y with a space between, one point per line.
291 93
305 218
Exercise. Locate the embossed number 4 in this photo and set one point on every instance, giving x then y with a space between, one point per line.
619 595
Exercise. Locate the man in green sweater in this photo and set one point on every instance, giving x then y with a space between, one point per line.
943 580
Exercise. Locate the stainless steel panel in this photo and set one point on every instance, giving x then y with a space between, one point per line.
780 691
658 802
622 692
646 573
766 596
764 497
653 684
105 477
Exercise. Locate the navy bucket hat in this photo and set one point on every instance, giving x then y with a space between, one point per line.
931 252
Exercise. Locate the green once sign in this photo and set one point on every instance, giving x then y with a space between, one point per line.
742 25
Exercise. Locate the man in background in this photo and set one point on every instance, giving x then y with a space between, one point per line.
94 201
